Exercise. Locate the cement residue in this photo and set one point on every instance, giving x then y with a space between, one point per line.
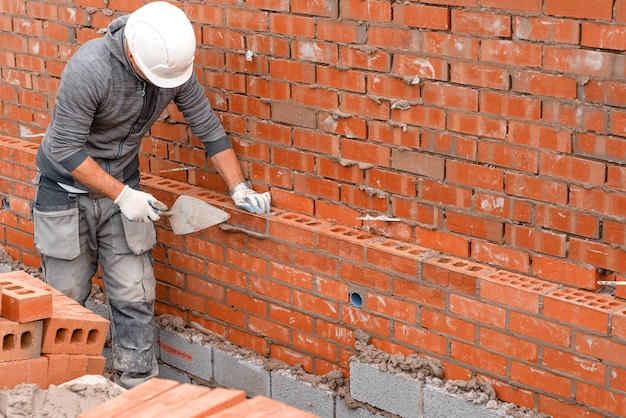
68 400
414 365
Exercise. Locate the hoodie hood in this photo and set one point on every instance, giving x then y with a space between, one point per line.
114 40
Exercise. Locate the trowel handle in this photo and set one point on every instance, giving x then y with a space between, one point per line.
160 211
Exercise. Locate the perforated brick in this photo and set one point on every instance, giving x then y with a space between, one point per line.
20 341
73 329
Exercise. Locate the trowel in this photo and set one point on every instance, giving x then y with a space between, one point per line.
189 214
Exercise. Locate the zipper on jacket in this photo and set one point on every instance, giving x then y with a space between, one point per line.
120 147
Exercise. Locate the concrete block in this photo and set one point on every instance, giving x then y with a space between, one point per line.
288 389
187 353
170 373
236 372
438 403
391 392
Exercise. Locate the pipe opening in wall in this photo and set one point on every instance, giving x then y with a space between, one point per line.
356 299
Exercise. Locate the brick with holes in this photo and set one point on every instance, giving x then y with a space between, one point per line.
20 341
73 329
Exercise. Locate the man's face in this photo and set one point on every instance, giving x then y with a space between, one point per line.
134 65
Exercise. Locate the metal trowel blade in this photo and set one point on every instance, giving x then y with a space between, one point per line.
189 214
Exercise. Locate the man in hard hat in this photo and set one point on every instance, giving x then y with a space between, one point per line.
89 209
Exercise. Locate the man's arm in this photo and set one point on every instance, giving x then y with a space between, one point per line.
95 178
136 205
228 167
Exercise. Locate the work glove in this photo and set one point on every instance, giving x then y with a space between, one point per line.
139 206
251 201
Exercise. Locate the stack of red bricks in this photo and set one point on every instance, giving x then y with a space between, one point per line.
45 337
170 399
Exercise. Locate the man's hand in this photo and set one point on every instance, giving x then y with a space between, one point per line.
253 202
139 206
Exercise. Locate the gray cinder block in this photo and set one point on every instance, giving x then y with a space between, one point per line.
235 372
441 404
302 395
391 392
171 373
184 353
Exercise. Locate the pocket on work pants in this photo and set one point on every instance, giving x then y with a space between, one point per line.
57 232
140 236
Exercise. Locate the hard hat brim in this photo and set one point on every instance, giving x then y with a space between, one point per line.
166 83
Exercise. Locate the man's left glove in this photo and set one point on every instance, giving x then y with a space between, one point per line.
247 199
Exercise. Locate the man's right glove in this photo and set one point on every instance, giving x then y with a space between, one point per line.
247 199
139 206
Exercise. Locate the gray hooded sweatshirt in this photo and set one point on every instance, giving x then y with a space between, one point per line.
103 110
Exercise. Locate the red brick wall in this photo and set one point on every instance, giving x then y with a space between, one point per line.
492 129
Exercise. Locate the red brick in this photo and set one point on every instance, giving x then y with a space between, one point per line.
73 329
442 241
32 371
167 404
600 347
478 358
418 338
508 345
600 398
475 226
144 393
448 325
547 29
24 303
541 378
581 308
478 310
484 23
422 16
598 9
20 341
557 408
211 403
454 273
481 75
590 370
261 406
514 290
58 366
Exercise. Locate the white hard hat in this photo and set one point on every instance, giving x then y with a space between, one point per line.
162 42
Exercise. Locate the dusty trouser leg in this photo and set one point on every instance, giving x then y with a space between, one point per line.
67 245
130 287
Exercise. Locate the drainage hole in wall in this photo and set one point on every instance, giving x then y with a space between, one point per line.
356 299
4 204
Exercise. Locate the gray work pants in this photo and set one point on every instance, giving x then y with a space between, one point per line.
75 233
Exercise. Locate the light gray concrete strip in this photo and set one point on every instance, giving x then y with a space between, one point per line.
302 395
184 353
236 372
